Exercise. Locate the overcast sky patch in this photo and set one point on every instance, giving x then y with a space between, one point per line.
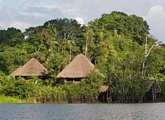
26 13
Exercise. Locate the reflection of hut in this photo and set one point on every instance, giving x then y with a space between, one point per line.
104 94
79 68
32 68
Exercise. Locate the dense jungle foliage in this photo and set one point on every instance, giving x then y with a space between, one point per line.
119 45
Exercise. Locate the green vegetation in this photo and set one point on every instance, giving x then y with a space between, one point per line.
4 99
119 45
38 91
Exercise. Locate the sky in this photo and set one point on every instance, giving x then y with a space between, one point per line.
27 13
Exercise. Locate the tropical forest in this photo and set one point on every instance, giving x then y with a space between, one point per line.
129 63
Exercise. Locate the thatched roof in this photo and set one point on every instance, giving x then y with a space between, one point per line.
80 67
103 88
32 68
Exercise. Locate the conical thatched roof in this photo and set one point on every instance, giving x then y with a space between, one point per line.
32 68
80 67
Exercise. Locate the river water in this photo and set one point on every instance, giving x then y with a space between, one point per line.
155 111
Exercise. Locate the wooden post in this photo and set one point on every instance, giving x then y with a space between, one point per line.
153 92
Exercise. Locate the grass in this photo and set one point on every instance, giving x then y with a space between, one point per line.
5 99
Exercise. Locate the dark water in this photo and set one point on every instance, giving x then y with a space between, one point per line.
83 112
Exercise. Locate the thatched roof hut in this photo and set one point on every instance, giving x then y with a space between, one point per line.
80 67
105 94
32 68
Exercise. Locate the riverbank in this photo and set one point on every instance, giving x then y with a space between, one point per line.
5 99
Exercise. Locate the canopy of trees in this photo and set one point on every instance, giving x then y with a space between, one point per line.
119 45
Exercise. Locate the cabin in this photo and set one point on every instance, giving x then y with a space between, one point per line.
105 94
79 68
33 68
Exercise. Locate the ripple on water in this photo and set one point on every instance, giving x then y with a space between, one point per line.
82 112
